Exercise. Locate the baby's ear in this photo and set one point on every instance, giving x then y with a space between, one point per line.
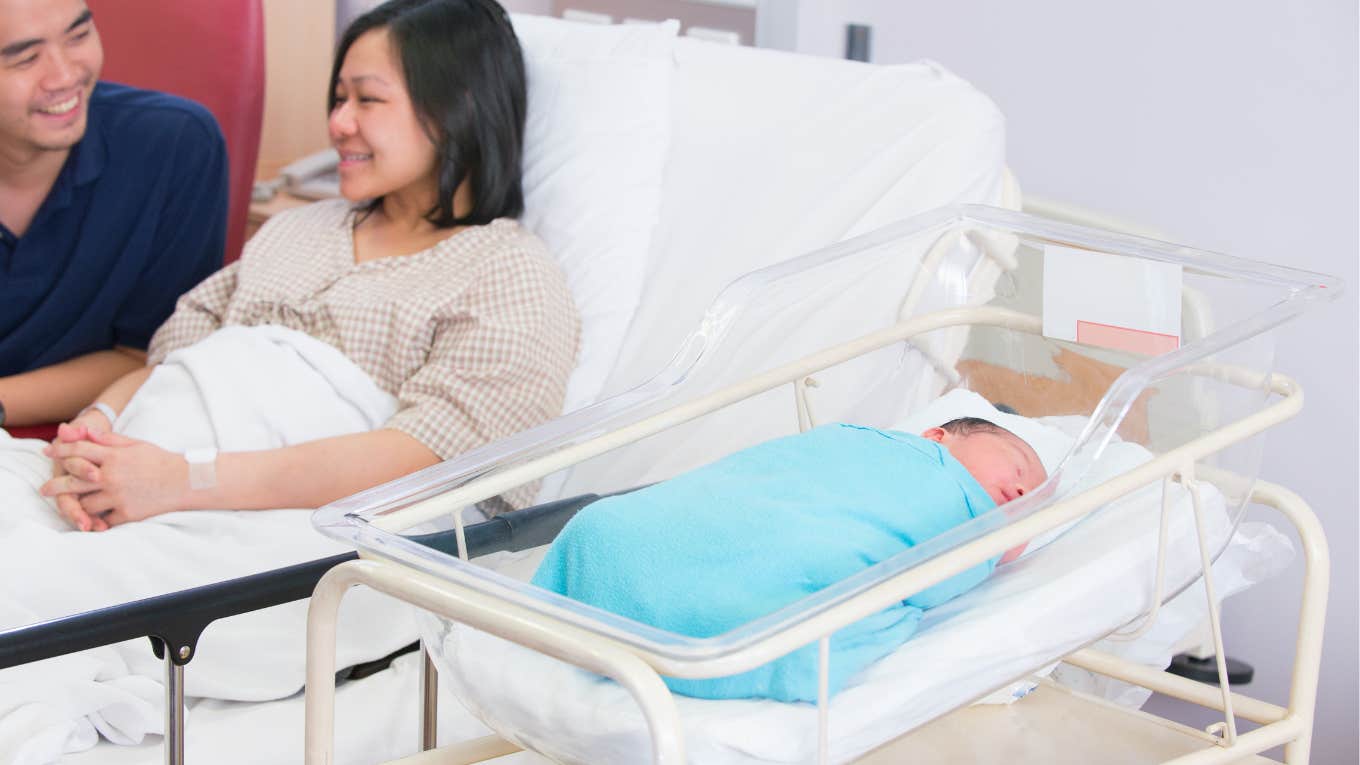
936 434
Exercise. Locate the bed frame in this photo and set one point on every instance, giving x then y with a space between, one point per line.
459 593
178 619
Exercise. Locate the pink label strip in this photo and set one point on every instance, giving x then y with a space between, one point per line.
1125 339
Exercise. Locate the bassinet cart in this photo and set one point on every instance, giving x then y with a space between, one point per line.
1164 446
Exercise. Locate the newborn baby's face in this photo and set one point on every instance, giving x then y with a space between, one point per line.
1005 465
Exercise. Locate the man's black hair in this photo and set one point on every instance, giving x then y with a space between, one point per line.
465 73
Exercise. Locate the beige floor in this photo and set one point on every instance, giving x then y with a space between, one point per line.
1053 726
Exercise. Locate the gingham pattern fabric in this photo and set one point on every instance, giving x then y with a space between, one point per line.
475 336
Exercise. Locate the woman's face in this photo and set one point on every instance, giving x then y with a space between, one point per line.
383 148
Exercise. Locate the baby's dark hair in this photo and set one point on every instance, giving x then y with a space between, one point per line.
967 426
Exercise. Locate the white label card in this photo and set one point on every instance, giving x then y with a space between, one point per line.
1113 301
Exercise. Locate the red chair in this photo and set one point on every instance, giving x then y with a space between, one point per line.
210 51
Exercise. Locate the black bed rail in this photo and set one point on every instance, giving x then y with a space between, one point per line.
179 618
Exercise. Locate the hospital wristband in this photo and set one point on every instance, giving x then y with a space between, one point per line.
202 468
102 408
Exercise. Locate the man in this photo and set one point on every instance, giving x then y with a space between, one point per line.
112 204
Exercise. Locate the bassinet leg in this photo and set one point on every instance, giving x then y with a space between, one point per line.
429 701
174 711
824 700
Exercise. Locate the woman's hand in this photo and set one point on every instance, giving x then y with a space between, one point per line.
131 480
68 504
91 420
79 429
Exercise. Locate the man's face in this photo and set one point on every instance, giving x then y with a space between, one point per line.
50 57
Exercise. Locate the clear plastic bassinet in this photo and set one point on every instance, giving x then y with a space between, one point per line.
872 331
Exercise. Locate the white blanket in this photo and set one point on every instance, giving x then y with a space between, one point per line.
239 389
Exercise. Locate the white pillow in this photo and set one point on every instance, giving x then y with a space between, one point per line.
775 155
595 145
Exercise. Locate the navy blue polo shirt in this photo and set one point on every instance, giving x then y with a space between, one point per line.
136 218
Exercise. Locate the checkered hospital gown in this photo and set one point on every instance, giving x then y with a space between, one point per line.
475 337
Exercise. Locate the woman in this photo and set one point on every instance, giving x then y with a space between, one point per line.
419 275
430 306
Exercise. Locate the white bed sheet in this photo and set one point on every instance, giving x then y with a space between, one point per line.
1078 588
241 388
377 719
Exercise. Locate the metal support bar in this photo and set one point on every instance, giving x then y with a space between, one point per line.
429 701
480 612
174 711
1167 684
1259 740
1159 574
824 700
806 421
1215 625
463 753
1312 613
1291 727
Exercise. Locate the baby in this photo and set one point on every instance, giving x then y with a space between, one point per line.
712 549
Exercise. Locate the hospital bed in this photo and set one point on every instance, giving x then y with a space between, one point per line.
713 161
1148 480
628 130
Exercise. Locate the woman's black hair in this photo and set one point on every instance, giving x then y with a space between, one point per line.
465 73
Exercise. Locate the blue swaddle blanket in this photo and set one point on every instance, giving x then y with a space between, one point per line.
714 548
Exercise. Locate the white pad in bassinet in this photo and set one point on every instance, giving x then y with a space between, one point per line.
1078 587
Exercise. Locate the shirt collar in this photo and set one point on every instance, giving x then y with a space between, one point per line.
90 152
84 164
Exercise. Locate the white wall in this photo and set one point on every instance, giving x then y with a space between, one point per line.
1227 125
537 7
352 8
